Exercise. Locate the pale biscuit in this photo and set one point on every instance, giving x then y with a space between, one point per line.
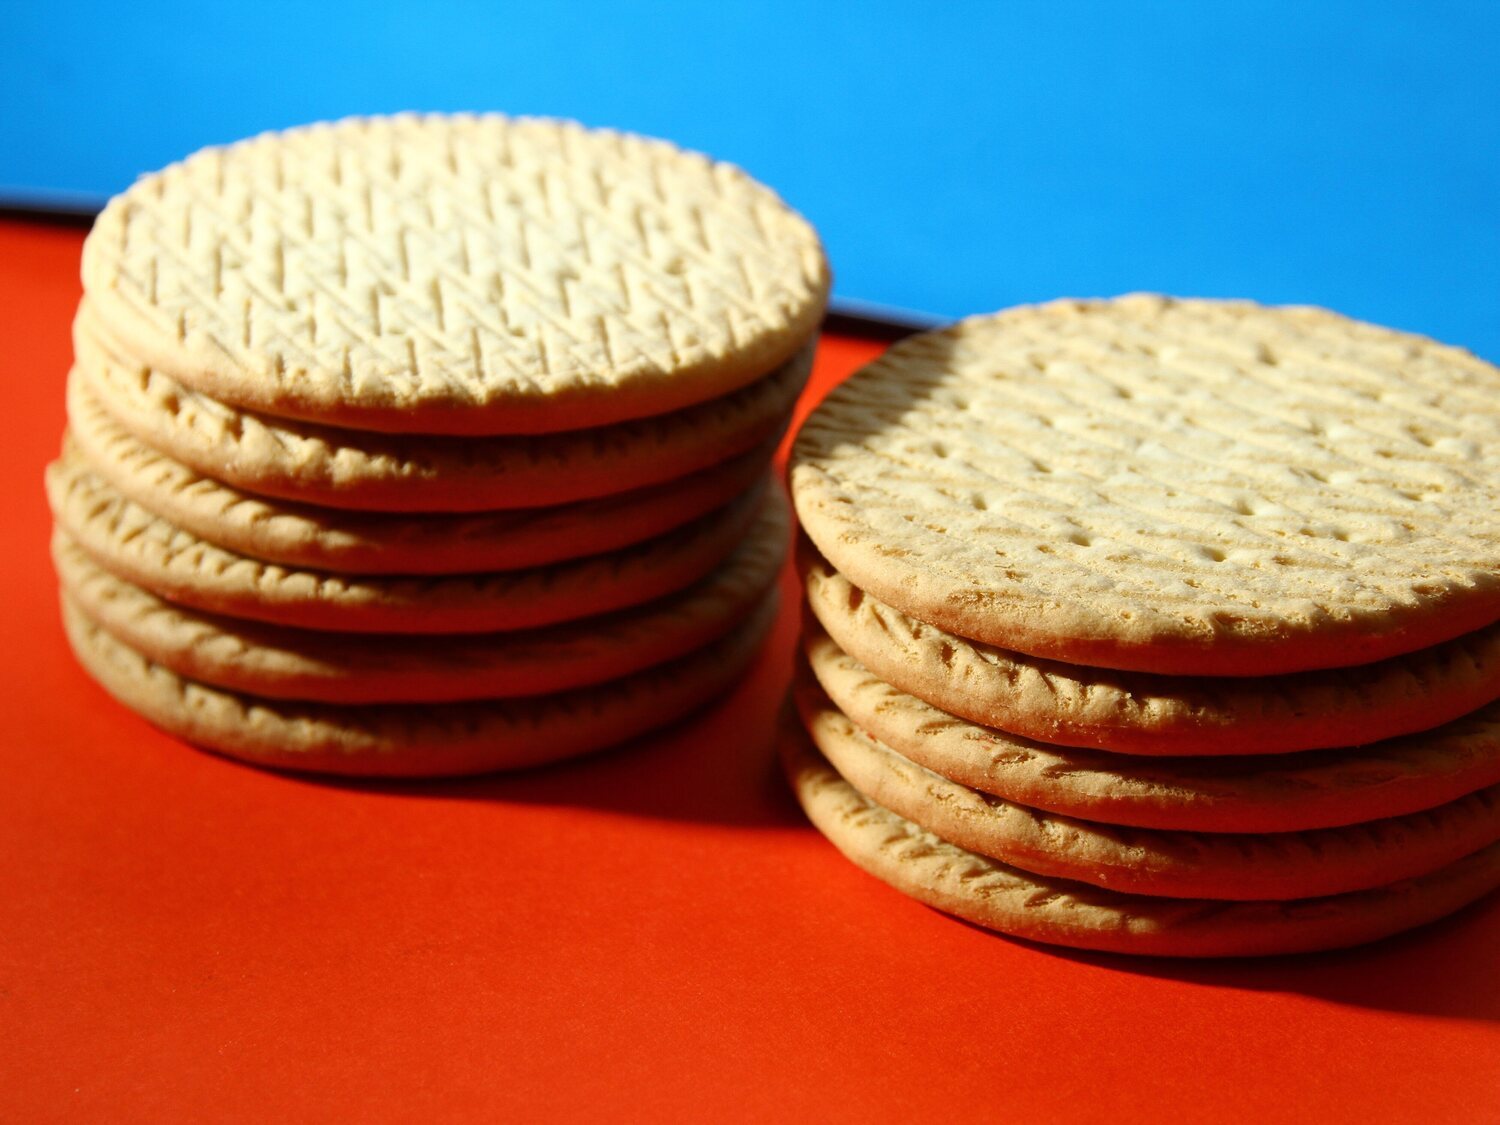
416 740
146 550
382 472
1195 487
1148 714
283 531
1219 865
287 663
1063 912
1263 793
455 274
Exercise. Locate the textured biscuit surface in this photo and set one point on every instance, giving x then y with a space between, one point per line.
415 740
455 274
286 663
1261 793
393 472
1142 713
131 543
332 539
1063 912
1196 487
1280 865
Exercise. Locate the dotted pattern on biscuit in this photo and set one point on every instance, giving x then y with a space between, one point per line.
1178 486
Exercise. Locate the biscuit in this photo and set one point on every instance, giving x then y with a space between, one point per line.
131 543
338 468
1144 713
1177 864
1261 793
1063 912
1184 487
455 274
416 740
306 535
287 663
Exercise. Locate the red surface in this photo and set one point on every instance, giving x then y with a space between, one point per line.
646 935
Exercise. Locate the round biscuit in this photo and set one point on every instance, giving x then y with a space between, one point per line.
1177 486
416 740
340 468
1146 861
1257 793
1149 714
281 662
455 274
1063 912
332 539
131 543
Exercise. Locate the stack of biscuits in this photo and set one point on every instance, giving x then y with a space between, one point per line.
1157 626
430 444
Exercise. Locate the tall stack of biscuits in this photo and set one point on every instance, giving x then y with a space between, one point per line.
430 444
1158 626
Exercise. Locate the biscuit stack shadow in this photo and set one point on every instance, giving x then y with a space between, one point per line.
430 444
1157 626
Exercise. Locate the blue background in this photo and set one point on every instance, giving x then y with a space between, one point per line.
957 157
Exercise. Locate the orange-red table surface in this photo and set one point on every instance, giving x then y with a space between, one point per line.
651 935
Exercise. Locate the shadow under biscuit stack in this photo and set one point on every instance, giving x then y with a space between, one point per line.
430 445
1157 626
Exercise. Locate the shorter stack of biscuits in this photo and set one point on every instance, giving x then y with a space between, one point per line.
430 444
1157 626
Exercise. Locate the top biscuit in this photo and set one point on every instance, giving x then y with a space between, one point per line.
455 274
1188 487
